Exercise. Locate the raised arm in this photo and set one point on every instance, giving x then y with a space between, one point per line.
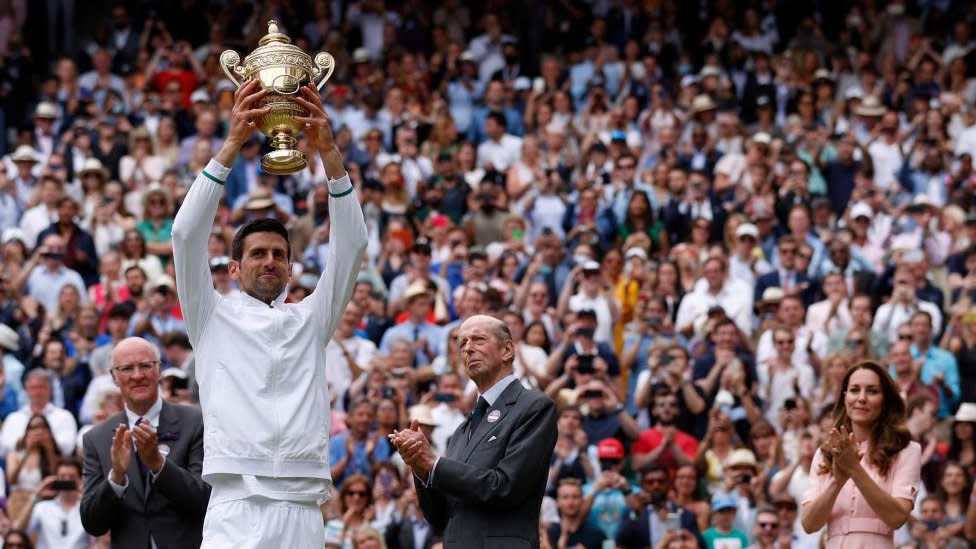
191 228
348 226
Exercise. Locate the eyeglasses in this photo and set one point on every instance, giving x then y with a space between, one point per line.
143 367
357 493
784 341
767 525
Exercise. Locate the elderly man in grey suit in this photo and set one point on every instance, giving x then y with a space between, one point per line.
142 467
486 492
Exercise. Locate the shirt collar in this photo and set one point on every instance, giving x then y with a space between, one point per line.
496 390
152 416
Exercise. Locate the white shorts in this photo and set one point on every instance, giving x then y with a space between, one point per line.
258 523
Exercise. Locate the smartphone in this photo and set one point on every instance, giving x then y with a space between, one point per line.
389 392
538 84
445 397
585 332
591 393
673 521
665 360
64 485
789 404
585 364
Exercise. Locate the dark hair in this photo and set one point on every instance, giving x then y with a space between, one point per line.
178 339
70 461
45 466
966 489
28 544
264 225
889 434
498 117
545 346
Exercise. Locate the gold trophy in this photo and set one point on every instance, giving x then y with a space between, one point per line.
283 69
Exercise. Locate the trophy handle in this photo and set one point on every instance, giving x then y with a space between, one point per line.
230 61
326 64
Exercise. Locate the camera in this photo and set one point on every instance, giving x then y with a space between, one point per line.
665 360
592 393
445 397
744 478
64 485
389 392
584 364
789 404
585 332
178 383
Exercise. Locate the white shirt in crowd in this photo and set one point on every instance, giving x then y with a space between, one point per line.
62 426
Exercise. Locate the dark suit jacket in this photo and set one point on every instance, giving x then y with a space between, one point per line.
771 280
636 534
486 493
399 535
173 510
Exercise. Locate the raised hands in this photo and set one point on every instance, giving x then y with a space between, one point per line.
840 444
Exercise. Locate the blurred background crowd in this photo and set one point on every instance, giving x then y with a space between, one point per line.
693 216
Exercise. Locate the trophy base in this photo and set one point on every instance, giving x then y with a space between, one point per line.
283 162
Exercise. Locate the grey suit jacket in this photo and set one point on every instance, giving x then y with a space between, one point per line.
486 492
173 507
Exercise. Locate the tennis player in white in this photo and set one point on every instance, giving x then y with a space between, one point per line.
261 362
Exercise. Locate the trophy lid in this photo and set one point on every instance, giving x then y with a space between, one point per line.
274 35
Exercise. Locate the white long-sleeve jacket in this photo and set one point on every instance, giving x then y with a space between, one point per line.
261 367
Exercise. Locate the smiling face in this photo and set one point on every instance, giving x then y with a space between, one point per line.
863 398
263 270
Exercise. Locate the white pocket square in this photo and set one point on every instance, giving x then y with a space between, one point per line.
493 437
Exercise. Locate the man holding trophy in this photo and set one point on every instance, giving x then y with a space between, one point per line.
260 361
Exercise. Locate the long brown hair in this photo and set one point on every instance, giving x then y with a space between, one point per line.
889 435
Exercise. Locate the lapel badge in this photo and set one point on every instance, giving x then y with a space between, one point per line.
494 416
164 450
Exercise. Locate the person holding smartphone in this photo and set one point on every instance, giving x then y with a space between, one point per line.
53 512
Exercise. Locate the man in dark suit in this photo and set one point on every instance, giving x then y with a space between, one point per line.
142 466
658 514
486 492
785 275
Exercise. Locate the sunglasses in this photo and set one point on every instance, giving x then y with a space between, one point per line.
358 493
767 525
784 341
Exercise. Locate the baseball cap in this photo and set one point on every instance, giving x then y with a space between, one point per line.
610 448
723 501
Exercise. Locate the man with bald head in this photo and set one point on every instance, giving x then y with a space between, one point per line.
486 491
142 466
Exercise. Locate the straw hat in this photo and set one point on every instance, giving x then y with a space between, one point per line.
702 103
24 153
966 412
93 165
259 200
47 110
870 106
422 414
416 289
742 458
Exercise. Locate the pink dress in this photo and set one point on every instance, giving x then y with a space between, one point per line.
853 524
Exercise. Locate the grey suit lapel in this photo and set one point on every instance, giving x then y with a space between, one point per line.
502 407
169 425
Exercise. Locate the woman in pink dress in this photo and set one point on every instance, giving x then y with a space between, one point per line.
867 469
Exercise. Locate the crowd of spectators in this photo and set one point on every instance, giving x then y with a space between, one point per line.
694 216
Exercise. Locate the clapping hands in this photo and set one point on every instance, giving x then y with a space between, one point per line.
841 445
